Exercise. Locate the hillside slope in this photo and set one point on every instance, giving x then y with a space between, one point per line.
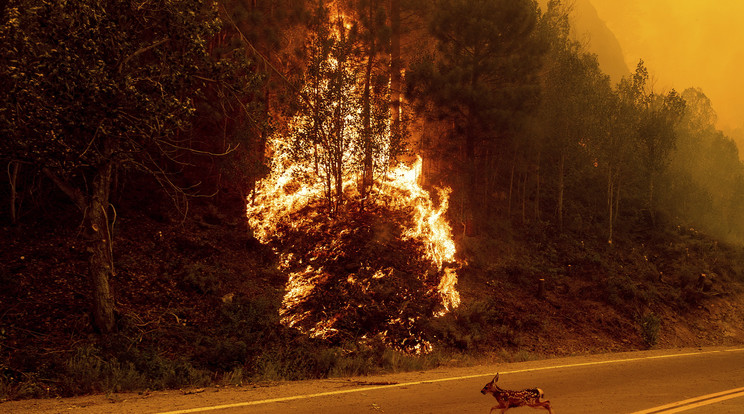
642 291
198 303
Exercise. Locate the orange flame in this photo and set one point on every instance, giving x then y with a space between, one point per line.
289 189
431 226
289 196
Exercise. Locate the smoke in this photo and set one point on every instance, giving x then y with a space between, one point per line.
685 43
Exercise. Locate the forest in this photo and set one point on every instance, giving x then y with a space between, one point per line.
201 192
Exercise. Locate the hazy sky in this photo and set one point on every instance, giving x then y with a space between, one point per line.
685 43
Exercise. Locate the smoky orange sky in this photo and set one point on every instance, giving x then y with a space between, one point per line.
685 43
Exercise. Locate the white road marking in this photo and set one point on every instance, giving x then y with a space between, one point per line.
431 381
679 406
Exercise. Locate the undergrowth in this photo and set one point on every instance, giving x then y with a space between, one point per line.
204 322
247 344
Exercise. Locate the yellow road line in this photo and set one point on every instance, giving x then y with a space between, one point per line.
679 406
431 381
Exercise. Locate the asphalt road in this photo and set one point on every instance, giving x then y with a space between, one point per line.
692 381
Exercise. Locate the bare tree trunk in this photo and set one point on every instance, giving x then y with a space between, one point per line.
537 189
610 202
617 197
329 187
524 198
511 183
561 190
101 264
337 141
651 213
395 66
98 233
367 170
470 166
13 168
367 132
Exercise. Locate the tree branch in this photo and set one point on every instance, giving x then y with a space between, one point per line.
75 194
266 60
229 149
139 52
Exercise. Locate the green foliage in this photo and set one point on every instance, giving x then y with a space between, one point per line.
252 345
480 71
620 291
83 72
234 377
480 325
650 325
481 81
27 386
90 370
295 361
250 318
93 85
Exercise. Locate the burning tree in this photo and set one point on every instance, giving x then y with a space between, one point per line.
323 131
343 124
376 271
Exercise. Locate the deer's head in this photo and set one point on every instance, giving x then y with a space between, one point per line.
491 386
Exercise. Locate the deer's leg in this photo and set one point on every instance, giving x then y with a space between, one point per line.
544 404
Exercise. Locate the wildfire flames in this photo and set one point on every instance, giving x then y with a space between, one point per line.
430 225
373 263
378 271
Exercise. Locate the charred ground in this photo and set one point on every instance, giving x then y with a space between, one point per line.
198 299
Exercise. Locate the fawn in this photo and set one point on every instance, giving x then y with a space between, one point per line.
511 399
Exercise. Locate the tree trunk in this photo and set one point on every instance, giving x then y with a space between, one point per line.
100 264
367 171
470 167
651 199
367 131
337 138
511 184
561 189
524 198
98 235
395 66
537 189
610 202
13 168
617 197
492 174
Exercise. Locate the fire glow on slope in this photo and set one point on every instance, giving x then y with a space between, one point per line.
290 202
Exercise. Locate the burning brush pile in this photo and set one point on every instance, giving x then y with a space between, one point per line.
367 252
376 270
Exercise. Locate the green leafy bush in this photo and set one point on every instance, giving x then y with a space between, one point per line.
89 370
650 327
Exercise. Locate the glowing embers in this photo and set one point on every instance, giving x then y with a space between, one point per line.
378 272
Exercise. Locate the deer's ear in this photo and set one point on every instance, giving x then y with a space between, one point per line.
496 378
